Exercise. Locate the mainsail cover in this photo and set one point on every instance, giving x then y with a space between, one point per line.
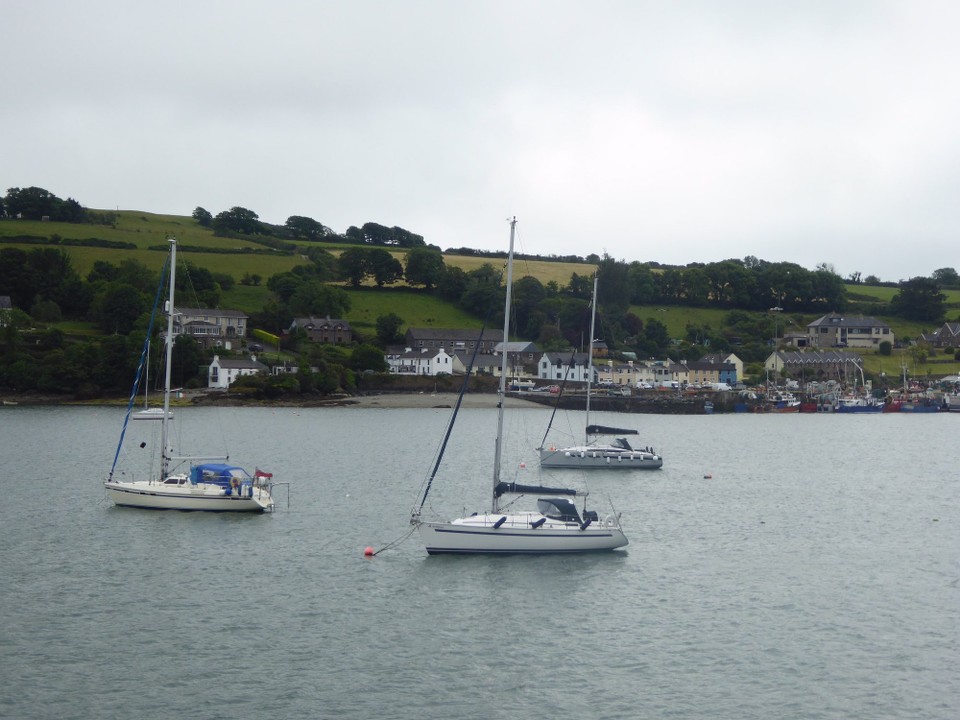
606 430
505 487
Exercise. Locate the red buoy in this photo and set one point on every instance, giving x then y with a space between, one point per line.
368 552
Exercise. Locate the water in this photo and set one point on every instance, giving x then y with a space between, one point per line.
813 575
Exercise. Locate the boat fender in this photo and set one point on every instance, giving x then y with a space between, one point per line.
499 522
610 521
608 460
552 449
586 524
537 523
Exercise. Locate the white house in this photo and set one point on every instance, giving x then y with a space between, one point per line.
426 361
560 365
223 371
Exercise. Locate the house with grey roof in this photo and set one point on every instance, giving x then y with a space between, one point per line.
452 339
334 331
947 335
211 327
837 330
483 363
223 371
826 364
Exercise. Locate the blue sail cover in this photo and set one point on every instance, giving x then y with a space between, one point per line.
219 474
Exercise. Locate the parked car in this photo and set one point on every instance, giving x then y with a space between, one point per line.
254 347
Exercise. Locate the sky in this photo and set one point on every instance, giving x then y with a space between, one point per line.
671 131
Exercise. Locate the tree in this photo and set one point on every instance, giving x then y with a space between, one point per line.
643 287
32 203
312 297
424 267
919 299
946 277
452 283
482 294
388 329
353 265
238 220
613 284
202 216
528 297
384 267
118 307
368 357
198 282
188 358
306 228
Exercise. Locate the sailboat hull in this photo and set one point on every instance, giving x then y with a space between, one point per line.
206 497
599 458
481 534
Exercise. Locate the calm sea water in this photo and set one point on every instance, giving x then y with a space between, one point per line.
813 574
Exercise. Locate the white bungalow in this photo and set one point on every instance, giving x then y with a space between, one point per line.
223 371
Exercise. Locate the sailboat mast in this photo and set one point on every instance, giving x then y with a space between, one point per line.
593 319
164 451
501 391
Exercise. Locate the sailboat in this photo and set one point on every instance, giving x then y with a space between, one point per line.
617 454
208 483
556 526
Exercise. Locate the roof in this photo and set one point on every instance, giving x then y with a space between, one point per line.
312 323
424 353
708 365
482 359
454 334
813 357
949 329
215 312
239 363
563 358
842 321
516 347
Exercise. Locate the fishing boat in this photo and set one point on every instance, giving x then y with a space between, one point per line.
183 483
555 526
616 454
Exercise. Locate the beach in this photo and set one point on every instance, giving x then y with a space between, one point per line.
432 400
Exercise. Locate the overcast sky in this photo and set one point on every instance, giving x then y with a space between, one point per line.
671 131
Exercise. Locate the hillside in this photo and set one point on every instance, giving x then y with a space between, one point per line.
144 234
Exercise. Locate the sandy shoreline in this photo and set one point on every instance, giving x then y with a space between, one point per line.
431 400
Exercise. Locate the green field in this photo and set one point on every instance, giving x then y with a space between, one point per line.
145 230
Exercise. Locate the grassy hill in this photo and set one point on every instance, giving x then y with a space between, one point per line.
143 230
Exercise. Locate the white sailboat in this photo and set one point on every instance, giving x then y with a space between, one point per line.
615 455
556 526
208 483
